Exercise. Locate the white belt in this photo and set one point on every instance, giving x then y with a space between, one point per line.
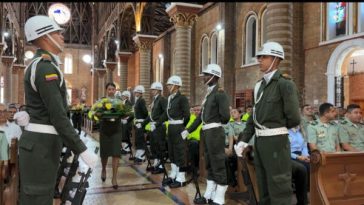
40 128
175 122
139 120
211 125
271 132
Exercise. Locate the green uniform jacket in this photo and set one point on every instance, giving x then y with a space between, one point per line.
140 109
179 110
159 107
352 134
324 135
278 107
212 113
49 105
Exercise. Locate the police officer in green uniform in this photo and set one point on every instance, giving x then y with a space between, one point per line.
48 128
127 124
351 131
215 112
307 117
276 109
110 138
178 114
158 134
140 114
323 134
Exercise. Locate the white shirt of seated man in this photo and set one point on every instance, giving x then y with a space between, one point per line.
12 130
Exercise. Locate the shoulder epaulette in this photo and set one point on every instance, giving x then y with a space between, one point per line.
287 76
46 57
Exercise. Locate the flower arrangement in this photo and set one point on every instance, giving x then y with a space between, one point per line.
109 108
77 108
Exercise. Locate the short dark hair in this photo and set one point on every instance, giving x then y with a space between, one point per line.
324 107
110 84
305 105
351 107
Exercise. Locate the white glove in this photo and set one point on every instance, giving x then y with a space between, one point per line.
124 121
184 134
138 125
239 148
22 118
152 127
89 158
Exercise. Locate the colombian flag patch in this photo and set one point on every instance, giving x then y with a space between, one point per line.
51 77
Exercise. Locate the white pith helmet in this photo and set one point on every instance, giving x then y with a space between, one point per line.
174 80
157 86
213 69
38 26
271 49
139 89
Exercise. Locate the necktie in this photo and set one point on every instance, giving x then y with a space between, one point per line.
262 86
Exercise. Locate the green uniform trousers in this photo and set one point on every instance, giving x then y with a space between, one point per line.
272 159
139 138
214 141
176 145
158 142
39 155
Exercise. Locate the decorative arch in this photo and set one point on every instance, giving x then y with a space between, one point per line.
214 47
204 51
250 37
335 63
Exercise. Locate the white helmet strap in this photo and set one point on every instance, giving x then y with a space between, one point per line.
271 65
54 42
209 80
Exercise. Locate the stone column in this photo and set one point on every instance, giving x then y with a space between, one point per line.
183 16
124 58
15 83
101 82
145 44
94 86
1 48
280 30
110 66
20 84
7 73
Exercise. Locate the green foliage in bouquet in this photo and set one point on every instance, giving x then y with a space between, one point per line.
109 108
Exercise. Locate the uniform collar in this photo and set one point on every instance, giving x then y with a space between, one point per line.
54 57
321 124
350 123
268 76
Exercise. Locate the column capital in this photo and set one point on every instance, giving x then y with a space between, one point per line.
111 65
17 67
100 71
124 56
8 60
1 48
144 42
183 14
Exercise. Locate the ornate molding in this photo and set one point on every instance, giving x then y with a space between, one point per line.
144 42
17 67
8 60
124 56
185 20
111 65
100 72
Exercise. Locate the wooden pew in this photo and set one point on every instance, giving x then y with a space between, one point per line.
337 178
11 191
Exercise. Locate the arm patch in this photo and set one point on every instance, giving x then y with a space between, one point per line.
51 77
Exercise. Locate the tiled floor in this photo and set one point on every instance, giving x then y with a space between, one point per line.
136 186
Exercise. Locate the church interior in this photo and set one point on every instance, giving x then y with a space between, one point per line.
138 43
